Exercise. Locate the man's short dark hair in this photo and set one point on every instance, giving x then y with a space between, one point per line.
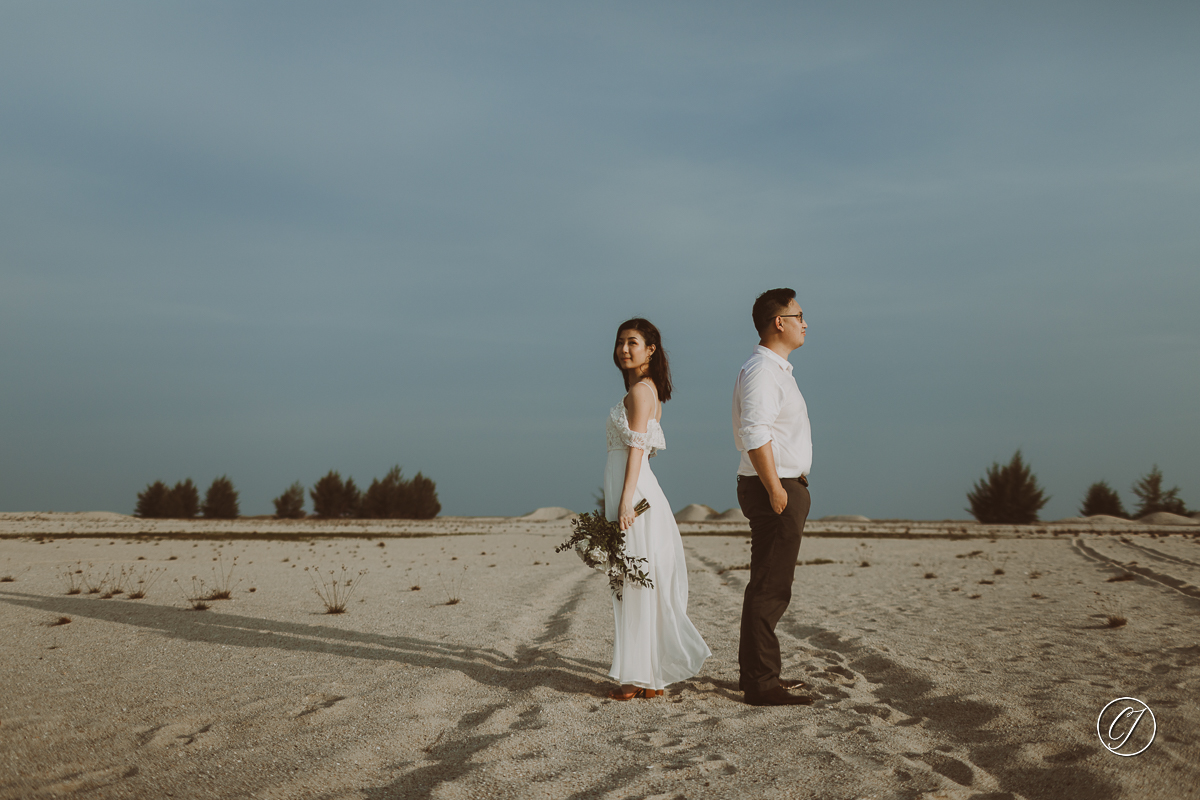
768 306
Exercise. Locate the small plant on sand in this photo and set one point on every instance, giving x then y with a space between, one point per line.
453 590
72 578
333 588
196 600
114 581
144 581
222 588
1111 610
9 577
930 575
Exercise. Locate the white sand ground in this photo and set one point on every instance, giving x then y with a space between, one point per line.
973 683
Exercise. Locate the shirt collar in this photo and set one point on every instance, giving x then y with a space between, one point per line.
771 355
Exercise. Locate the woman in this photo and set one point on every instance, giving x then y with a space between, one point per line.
655 643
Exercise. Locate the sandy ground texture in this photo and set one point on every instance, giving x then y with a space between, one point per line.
942 668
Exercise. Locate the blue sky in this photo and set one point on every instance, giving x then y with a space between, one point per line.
274 239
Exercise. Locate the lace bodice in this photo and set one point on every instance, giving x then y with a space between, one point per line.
620 436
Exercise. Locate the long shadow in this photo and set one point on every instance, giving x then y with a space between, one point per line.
964 721
527 667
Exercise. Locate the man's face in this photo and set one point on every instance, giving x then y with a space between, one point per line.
794 327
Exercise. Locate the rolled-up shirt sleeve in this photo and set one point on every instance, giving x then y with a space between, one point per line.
761 399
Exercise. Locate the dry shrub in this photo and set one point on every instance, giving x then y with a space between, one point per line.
333 588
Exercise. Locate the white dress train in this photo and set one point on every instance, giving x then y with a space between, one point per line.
655 643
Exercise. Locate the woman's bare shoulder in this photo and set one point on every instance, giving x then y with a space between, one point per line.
639 396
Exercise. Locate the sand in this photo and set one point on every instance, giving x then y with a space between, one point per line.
982 680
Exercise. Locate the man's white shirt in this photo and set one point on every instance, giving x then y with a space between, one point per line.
768 407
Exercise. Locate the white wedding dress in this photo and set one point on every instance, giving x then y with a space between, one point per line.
655 642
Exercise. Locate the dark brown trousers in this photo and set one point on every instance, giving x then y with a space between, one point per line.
774 546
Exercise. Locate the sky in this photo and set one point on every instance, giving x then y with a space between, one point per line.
271 240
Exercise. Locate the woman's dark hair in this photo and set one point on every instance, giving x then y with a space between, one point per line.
660 368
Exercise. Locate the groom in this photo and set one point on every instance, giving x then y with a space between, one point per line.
771 430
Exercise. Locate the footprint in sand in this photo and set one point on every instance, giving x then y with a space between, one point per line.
841 671
176 734
653 739
89 781
874 710
314 704
950 767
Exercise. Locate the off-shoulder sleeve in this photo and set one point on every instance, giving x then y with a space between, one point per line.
631 438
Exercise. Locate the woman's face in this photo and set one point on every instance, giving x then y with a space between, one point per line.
632 350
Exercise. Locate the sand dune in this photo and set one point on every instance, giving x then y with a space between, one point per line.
983 679
695 513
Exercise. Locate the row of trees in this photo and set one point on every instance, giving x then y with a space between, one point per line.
1103 499
182 501
393 497
1009 494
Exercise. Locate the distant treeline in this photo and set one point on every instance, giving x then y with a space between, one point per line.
1009 494
182 501
393 497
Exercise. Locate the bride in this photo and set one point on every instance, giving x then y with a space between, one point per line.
655 642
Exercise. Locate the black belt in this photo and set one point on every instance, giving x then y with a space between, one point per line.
803 479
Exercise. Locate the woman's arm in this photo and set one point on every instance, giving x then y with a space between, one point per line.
639 404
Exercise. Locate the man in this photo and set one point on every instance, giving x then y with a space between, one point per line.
771 430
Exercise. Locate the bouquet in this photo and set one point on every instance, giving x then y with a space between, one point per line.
601 545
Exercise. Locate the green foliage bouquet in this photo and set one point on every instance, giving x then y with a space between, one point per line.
601 545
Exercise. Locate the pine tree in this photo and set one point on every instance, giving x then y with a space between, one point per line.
423 499
182 501
1150 492
221 500
333 499
1007 495
1102 499
387 498
152 502
290 504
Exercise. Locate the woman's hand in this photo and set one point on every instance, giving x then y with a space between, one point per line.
625 515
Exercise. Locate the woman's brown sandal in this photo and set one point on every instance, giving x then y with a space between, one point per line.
646 694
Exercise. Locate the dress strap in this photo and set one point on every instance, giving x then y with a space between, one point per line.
653 391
